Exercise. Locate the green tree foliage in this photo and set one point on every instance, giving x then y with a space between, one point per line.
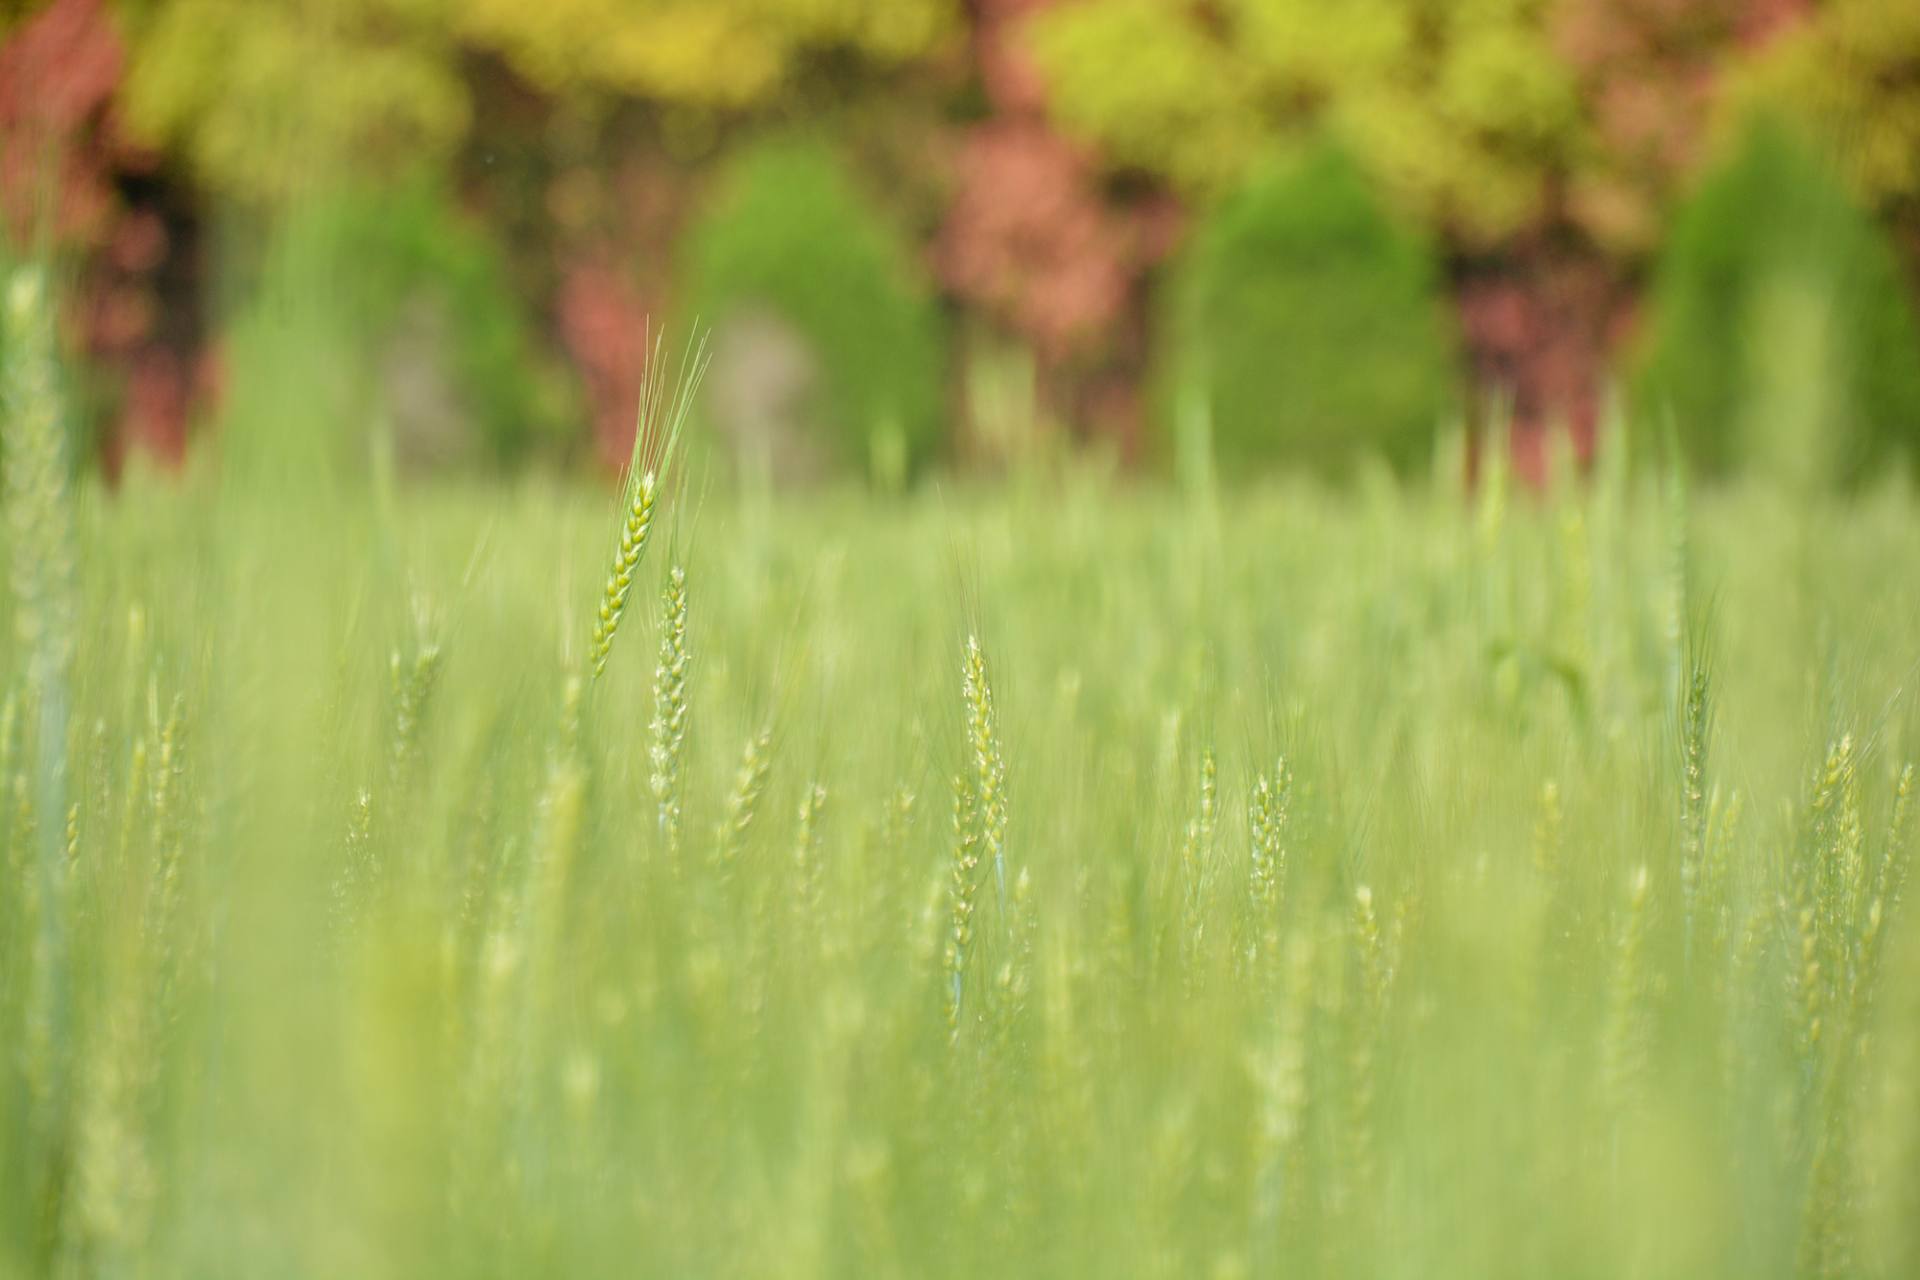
708 53
1461 110
788 238
384 320
1781 334
1307 324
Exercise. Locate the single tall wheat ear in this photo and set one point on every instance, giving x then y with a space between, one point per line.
650 471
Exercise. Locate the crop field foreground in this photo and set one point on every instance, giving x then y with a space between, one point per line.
1078 879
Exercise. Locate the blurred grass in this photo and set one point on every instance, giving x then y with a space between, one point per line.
426 996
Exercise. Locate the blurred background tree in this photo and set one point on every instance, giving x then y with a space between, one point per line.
381 330
1780 336
1048 260
826 340
1040 161
1307 326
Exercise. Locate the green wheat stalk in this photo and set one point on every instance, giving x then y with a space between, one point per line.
962 884
743 801
1268 807
1696 722
990 770
661 420
41 532
668 728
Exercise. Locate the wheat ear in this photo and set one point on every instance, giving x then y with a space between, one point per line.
656 448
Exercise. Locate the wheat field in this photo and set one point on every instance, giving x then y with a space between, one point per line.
1074 878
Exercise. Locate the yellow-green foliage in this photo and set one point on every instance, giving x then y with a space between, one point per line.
708 53
1462 110
268 99
1852 72
1148 84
